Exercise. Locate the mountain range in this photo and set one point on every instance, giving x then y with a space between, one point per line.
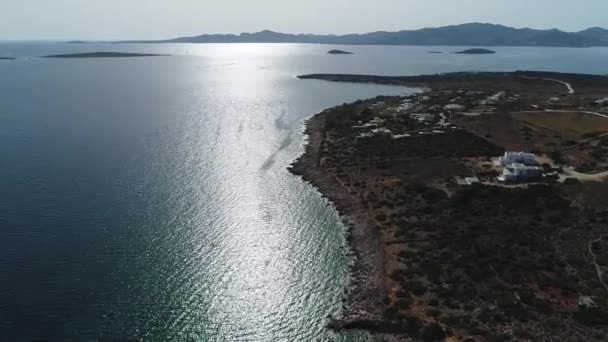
473 34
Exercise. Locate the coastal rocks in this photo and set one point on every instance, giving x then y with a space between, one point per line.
367 290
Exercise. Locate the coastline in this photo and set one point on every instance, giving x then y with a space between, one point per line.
366 292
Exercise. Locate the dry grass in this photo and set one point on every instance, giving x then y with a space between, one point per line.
565 123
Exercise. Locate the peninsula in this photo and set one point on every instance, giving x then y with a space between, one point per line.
476 209
103 55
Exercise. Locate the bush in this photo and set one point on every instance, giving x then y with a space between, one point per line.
591 316
433 333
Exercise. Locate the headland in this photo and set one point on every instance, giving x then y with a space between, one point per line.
453 242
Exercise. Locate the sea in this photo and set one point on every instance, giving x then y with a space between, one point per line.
148 199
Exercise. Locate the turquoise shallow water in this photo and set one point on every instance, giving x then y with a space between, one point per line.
148 198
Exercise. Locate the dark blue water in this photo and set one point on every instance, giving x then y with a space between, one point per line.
148 198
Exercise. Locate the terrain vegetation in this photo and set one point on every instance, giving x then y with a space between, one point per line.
489 261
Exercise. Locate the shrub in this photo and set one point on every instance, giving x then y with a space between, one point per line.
433 333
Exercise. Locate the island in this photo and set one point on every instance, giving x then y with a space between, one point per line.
104 55
436 52
476 52
339 52
476 209
7 58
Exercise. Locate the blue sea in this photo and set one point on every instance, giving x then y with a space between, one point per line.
148 198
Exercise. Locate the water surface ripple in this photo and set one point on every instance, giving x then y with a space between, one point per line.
148 198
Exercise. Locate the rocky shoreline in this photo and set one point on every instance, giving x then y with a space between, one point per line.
367 290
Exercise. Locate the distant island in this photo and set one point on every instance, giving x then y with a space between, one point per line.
6 58
435 52
339 52
472 34
476 52
103 55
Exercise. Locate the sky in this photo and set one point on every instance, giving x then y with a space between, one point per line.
158 19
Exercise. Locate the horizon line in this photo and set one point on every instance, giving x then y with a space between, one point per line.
51 40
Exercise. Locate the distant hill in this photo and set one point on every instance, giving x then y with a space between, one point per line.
474 34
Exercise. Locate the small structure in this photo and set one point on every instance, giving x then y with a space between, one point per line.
602 102
586 302
453 107
554 100
472 93
423 117
494 99
364 136
404 107
517 157
518 172
382 131
375 122
466 181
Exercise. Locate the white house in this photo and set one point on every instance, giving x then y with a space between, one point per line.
494 99
517 157
602 102
453 107
382 131
466 181
375 122
423 117
515 172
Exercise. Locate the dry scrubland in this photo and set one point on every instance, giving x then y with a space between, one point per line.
483 263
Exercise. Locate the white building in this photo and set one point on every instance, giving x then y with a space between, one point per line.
382 131
602 102
517 157
375 122
494 99
364 136
517 172
466 181
401 136
453 107
423 117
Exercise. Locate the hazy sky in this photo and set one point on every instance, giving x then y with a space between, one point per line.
152 19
